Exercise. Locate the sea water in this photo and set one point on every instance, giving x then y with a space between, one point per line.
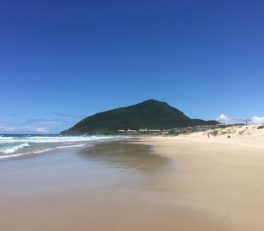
18 145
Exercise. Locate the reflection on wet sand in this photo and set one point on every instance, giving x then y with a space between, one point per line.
89 190
123 154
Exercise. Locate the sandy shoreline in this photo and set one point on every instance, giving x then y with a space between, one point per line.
154 183
219 176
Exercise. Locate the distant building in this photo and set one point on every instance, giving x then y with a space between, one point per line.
154 131
122 131
143 131
131 132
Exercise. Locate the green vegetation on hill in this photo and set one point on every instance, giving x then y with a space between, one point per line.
150 114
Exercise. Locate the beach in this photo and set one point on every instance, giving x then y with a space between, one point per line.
187 182
131 115
220 176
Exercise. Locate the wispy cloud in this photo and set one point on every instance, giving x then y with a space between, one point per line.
9 114
36 126
22 129
6 129
12 115
251 120
43 122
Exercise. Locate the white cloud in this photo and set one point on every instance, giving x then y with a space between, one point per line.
23 129
42 130
223 119
257 120
228 120
4 128
32 129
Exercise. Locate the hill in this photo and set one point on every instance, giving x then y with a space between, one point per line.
150 114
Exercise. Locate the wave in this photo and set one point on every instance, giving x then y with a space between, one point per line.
6 139
55 139
13 149
40 151
18 145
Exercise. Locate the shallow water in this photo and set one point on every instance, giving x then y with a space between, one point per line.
125 155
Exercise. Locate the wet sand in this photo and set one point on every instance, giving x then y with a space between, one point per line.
117 186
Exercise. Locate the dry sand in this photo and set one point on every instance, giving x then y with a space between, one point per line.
218 176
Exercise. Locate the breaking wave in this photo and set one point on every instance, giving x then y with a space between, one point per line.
18 145
14 148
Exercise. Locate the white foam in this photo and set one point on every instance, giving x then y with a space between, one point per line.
41 151
53 139
39 144
13 149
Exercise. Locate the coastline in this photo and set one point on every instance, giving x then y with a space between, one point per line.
186 182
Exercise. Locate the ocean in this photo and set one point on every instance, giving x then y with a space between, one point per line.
18 145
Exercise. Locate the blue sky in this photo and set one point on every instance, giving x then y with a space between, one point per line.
61 61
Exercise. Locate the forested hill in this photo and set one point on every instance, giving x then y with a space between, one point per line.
150 114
